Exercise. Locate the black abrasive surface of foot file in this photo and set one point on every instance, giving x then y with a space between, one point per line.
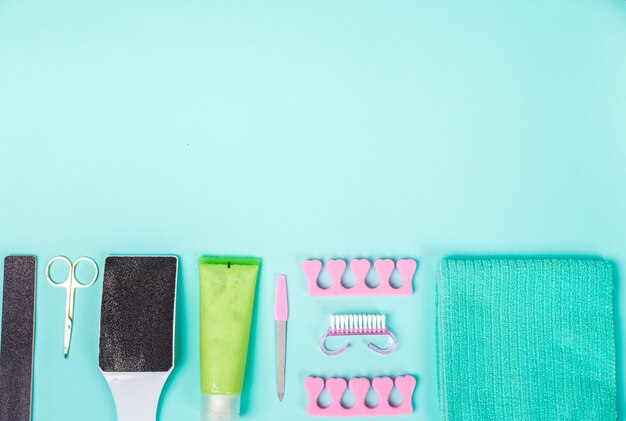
137 314
18 328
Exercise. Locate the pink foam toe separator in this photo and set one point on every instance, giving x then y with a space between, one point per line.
312 269
384 269
359 387
336 387
407 268
405 385
336 269
383 387
313 387
360 268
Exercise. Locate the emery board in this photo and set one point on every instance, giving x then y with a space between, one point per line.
137 331
16 343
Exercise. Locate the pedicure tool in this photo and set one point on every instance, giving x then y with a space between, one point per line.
360 269
281 313
358 325
71 284
360 386
18 327
137 331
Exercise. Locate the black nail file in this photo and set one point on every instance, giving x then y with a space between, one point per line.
18 327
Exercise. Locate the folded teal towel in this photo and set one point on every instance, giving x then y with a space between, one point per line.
526 339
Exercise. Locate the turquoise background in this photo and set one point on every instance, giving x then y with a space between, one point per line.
290 130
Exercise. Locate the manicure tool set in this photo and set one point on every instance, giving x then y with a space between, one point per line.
137 335
542 300
349 326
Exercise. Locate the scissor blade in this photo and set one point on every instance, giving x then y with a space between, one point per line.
67 336
281 336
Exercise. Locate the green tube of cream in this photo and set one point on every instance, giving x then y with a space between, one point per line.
227 286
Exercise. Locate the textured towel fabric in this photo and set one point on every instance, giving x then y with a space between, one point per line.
526 339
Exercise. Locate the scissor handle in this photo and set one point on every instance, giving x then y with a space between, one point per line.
69 275
78 283
72 273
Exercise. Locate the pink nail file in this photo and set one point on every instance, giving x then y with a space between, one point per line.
359 387
360 269
281 313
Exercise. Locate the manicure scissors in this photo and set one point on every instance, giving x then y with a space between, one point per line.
70 284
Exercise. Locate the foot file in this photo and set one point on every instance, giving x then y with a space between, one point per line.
137 331
18 326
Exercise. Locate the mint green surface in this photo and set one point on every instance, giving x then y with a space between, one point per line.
526 339
227 287
287 130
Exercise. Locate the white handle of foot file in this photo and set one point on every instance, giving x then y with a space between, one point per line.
136 395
